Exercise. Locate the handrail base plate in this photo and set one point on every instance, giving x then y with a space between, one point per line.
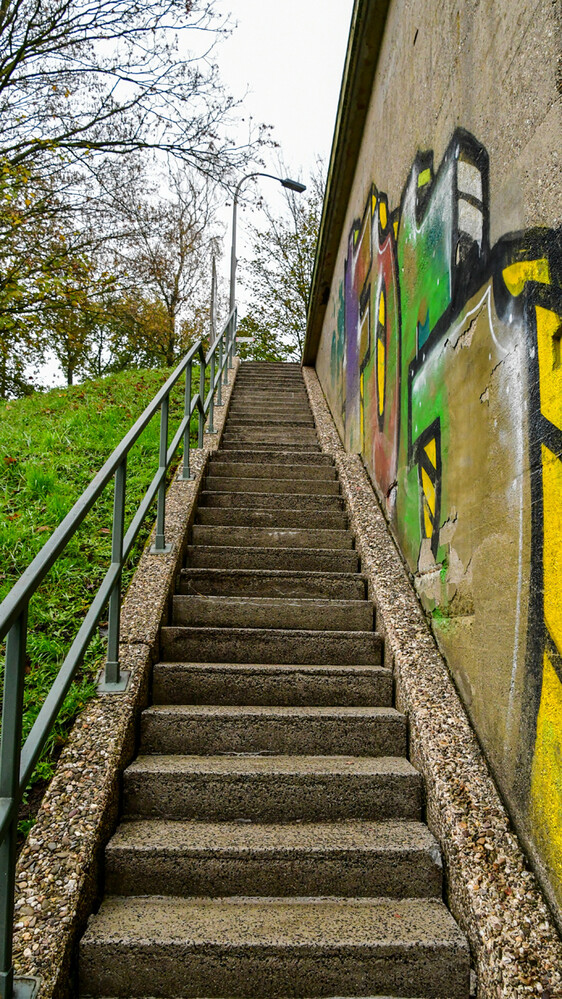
153 550
25 988
113 688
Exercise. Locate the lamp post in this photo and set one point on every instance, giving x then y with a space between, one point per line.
293 185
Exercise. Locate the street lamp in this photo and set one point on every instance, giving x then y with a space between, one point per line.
293 185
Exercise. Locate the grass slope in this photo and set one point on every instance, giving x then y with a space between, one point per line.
51 446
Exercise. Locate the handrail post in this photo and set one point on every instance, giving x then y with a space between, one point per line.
234 344
186 471
201 407
221 373
211 427
10 751
114 680
229 355
160 547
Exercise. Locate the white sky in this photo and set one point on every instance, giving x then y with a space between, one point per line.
288 56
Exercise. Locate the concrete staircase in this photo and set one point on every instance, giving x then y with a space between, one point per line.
271 842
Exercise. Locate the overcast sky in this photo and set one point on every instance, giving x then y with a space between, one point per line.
288 56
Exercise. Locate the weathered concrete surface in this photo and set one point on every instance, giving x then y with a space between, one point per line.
276 945
241 517
489 886
272 470
323 731
219 859
241 483
272 788
251 683
57 873
287 457
313 559
251 645
271 537
274 583
272 612
304 501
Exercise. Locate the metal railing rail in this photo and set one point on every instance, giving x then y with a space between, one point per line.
16 762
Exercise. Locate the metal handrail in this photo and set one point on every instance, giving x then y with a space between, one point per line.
16 762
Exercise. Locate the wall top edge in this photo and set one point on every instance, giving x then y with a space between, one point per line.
363 48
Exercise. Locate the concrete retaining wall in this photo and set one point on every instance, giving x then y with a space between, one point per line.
440 357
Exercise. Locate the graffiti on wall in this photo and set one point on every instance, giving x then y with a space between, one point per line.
446 375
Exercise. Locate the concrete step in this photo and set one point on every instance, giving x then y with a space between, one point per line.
287 437
264 645
284 997
251 398
227 483
272 612
192 947
279 377
311 447
260 389
269 419
274 501
265 583
271 537
289 407
276 457
266 385
265 404
272 788
276 518
252 683
269 377
349 859
232 557
271 469
251 406
211 730
292 425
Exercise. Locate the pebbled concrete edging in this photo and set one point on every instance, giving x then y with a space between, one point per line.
57 872
490 889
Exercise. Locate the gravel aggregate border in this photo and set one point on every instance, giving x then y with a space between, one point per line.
490 888
57 877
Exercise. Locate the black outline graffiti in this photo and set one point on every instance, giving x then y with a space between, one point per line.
474 263
514 248
432 432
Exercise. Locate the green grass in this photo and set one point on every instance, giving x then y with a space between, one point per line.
51 446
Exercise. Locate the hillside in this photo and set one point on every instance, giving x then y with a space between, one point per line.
51 445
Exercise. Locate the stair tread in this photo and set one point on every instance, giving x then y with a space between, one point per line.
276 632
284 470
255 765
392 837
293 501
322 603
275 711
302 922
259 535
336 552
258 574
319 668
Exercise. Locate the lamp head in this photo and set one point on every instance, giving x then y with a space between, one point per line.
293 185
